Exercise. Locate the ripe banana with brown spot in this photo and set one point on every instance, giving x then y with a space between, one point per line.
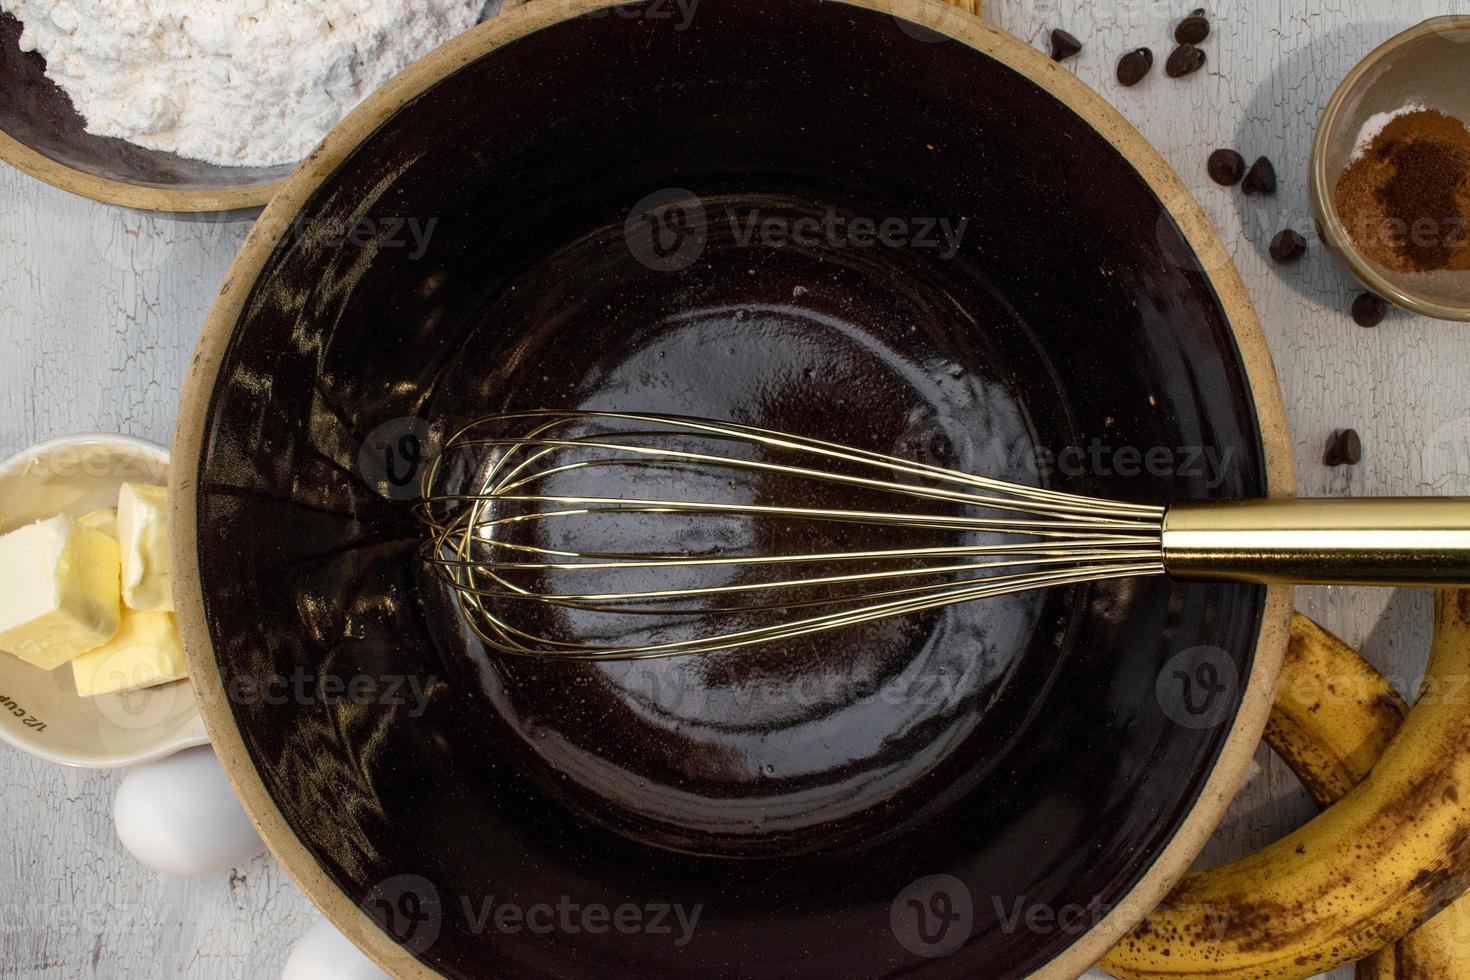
1437 950
1331 744
1334 713
1361 875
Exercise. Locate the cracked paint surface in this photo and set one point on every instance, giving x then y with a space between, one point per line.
99 309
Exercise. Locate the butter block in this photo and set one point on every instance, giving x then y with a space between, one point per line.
146 651
104 520
58 591
142 531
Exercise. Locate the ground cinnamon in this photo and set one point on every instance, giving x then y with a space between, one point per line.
1405 198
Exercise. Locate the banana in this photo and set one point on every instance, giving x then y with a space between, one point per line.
1334 713
1331 745
1437 950
1361 875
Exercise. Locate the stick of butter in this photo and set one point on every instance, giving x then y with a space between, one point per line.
104 520
58 591
142 529
146 651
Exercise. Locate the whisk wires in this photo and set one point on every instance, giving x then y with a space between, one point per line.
606 535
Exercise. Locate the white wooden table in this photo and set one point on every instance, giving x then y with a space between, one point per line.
99 309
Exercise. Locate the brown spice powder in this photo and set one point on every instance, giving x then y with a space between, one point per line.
1405 201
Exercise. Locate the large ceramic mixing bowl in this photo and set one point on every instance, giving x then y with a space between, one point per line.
866 221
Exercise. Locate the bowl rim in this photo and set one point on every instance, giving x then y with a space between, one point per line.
1324 203
33 162
1233 762
195 733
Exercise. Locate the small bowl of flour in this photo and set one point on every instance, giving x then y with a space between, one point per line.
197 105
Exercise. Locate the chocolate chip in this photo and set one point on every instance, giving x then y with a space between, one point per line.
1345 447
1260 179
1134 66
1369 310
1063 45
1186 60
1288 246
1226 167
1193 29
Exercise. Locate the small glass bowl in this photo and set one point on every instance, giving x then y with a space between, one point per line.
1429 64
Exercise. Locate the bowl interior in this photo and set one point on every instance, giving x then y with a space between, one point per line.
1430 65
44 716
38 114
648 216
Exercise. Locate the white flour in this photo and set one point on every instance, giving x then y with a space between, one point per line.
234 82
1374 126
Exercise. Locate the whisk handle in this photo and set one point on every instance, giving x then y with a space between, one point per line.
1389 541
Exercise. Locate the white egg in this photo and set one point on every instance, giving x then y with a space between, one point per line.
180 816
323 953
